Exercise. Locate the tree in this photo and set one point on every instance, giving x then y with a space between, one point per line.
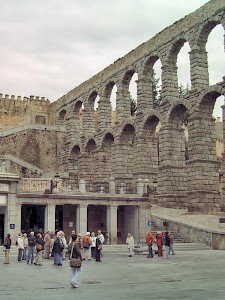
183 91
133 106
156 90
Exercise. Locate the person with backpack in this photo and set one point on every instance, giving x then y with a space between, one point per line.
39 249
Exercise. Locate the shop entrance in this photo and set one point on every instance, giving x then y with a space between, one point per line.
33 218
2 221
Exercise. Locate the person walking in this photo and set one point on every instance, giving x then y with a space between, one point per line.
25 244
20 246
167 244
47 240
39 248
7 243
150 242
31 247
58 250
159 243
130 244
93 245
64 245
74 251
87 246
171 244
99 241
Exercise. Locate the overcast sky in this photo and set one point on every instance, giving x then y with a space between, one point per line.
50 47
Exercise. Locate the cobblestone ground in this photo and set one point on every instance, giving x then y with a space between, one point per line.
187 275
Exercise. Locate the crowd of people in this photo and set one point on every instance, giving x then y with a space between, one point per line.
33 248
163 241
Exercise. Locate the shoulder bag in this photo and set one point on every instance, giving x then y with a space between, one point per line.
74 262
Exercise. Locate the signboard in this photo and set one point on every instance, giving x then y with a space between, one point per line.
12 226
4 187
70 224
3 200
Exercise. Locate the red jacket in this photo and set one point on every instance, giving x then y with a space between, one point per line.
149 239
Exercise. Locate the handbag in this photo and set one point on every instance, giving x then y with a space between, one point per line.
86 245
39 247
100 247
74 262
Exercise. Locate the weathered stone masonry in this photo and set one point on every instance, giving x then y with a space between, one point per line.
133 148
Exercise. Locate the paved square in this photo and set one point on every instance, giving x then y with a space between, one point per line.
187 275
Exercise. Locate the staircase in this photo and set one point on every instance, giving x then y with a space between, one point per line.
178 238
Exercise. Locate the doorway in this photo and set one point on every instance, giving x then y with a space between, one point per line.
2 228
32 218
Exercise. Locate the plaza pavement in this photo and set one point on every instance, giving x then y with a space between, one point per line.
191 275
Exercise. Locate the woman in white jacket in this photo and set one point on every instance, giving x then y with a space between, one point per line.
20 245
130 244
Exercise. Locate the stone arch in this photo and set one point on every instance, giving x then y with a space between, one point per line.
205 31
107 116
108 140
130 122
91 99
108 89
62 116
175 49
208 97
123 106
78 115
91 145
146 82
75 152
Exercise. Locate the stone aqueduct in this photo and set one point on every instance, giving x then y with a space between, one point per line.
131 149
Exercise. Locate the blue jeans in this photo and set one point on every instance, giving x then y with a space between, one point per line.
31 252
75 272
24 253
167 251
150 253
57 258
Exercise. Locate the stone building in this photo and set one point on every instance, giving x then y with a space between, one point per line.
108 168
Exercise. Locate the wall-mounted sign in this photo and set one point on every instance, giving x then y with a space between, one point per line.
70 224
12 226
4 187
3 200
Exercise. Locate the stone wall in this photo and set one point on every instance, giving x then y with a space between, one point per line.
15 111
40 148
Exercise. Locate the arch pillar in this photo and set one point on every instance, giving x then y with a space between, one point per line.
104 113
144 94
88 119
199 69
202 167
171 189
81 218
112 223
169 82
123 105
